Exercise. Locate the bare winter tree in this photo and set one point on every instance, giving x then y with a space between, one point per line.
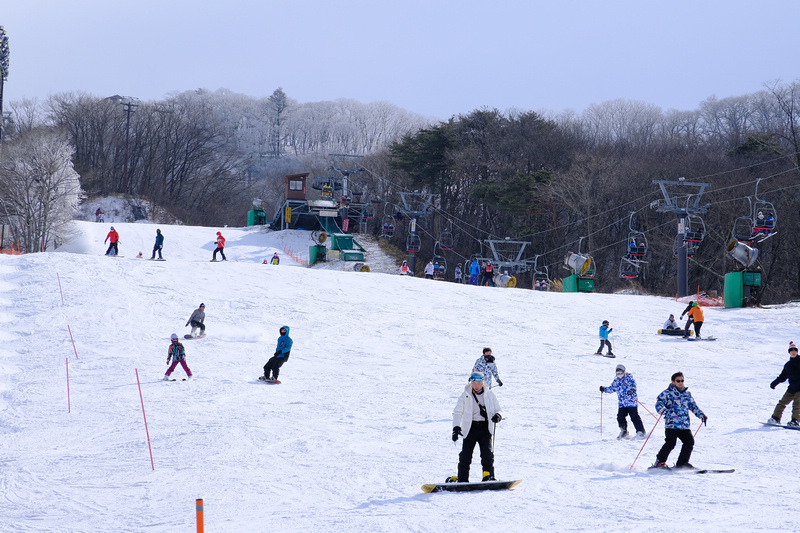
39 188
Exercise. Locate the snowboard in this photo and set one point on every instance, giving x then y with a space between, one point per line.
702 339
187 336
674 332
796 428
612 356
673 470
470 487
270 381
156 259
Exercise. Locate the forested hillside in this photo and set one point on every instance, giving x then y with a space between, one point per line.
550 179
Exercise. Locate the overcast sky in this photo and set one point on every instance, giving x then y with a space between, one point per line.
436 58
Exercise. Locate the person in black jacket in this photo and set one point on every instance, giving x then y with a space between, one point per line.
791 371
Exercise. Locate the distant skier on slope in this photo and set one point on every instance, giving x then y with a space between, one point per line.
112 236
486 366
177 354
791 371
604 331
158 245
674 405
627 402
197 321
220 248
695 317
282 351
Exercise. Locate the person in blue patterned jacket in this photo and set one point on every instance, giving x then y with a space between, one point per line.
486 366
674 405
625 387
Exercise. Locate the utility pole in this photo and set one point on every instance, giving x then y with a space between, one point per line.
674 196
3 75
129 105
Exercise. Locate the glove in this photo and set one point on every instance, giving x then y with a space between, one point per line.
705 420
681 317
612 329
499 383
773 384
497 418
276 354
456 433
631 392
602 389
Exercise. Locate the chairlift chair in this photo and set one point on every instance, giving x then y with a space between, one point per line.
440 267
765 217
387 230
628 269
413 243
695 230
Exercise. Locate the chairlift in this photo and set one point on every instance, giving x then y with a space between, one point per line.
541 276
765 217
439 262
387 230
695 230
743 226
413 243
630 266
446 238
628 269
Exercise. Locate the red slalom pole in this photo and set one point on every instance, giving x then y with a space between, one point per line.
646 409
145 420
59 288
69 408
73 342
647 439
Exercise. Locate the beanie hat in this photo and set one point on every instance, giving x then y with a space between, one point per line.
792 346
620 367
202 305
173 336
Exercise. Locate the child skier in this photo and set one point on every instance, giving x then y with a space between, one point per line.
176 354
281 355
486 366
791 371
604 331
625 387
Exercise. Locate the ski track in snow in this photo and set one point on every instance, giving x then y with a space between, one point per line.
363 416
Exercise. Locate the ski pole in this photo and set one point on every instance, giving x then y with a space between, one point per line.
698 429
647 439
646 409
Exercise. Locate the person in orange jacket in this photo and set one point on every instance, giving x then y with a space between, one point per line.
695 317
220 247
112 236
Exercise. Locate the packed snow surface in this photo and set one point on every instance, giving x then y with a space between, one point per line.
363 417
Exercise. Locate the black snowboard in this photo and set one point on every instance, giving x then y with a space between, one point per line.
796 428
470 487
187 336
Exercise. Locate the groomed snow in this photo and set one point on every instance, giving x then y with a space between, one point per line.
363 417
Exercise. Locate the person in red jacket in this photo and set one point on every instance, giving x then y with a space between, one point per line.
220 247
112 236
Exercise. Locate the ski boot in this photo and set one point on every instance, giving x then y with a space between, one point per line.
623 434
774 421
451 479
487 476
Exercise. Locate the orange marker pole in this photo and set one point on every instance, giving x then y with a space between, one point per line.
199 505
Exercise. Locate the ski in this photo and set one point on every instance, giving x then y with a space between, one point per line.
470 487
673 470
796 428
701 339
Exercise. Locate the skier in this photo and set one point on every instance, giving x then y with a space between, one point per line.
627 401
112 236
604 331
474 272
674 405
280 356
477 413
429 269
197 319
458 273
486 366
159 245
275 259
671 324
695 317
98 215
404 270
791 371
220 247
488 275
177 354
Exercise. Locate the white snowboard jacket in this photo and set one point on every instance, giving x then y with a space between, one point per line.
462 414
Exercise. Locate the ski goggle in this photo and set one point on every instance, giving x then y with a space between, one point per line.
476 377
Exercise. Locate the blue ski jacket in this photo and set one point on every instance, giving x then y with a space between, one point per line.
604 332
625 387
284 344
675 406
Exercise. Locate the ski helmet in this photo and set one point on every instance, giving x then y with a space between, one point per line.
173 336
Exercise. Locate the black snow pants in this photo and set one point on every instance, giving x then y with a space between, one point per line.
478 434
633 412
274 365
672 436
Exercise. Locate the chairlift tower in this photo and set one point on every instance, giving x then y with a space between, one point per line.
415 205
346 173
682 198
507 255
3 74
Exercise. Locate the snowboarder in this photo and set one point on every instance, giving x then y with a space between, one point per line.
671 324
429 269
674 405
488 275
458 273
791 371
477 413
159 245
627 401
486 366
275 259
177 354
695 317
404 270
112 236
196 320
474 272
220 247
604 331
280 356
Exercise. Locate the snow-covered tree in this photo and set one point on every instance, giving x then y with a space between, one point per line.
39 188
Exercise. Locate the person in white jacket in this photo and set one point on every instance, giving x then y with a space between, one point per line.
671 324
429 270
475 415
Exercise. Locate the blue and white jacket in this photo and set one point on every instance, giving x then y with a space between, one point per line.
622 386
675 406
487 369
